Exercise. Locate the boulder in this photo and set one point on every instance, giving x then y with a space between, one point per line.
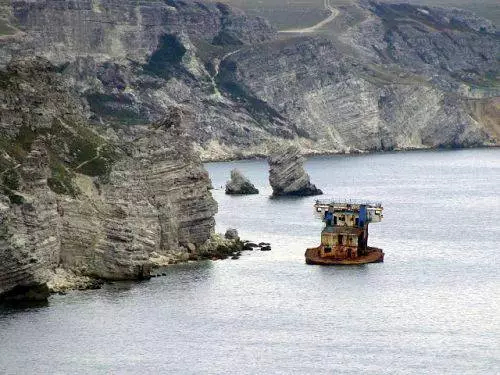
231 234
287 175
239 184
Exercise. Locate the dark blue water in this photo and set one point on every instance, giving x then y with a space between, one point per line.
432 308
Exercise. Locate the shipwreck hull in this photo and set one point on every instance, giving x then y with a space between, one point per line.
375 255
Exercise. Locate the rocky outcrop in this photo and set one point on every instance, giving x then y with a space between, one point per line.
287 175
240 185
229 245
219 247
98 204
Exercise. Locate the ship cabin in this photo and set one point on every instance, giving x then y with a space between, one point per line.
345 235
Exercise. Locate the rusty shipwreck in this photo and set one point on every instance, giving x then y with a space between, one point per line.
344 239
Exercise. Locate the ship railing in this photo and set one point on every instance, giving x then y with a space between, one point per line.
343 201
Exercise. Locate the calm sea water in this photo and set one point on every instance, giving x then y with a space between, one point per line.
432 308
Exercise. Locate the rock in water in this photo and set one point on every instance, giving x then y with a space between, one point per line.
231 234
239 184
287 175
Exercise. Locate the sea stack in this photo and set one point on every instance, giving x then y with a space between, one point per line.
239 184
287 175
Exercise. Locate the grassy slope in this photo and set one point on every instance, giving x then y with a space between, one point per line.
72 146
6 29
284 14
485 8
302 13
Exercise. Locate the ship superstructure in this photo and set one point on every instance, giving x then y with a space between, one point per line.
344 239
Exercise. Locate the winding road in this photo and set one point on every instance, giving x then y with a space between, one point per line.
333 14
97 156
217 67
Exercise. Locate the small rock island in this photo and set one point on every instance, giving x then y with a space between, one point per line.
240 185
287 175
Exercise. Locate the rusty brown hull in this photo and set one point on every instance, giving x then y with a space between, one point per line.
375 255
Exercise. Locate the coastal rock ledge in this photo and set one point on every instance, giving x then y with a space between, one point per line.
78 203
240 185
287 175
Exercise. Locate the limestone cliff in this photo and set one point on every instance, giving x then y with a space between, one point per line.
374 85
98 203
381 76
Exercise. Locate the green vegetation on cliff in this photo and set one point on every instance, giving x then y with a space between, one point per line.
53 119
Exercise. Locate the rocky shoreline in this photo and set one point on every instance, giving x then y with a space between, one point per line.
101 172
62 281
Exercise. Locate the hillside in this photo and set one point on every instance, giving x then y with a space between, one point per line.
302 13
376 76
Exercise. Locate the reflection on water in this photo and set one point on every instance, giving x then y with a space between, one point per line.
21 306
431 307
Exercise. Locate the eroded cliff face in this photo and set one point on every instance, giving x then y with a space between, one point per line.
156 201
401 77
381 76
129 29
99 203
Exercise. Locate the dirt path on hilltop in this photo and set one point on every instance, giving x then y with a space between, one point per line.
333 14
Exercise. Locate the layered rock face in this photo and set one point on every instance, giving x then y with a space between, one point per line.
380 77
126 29
353 98
29 223
287 175
132 60
240 185
464 46
30 229
156 201
96 204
